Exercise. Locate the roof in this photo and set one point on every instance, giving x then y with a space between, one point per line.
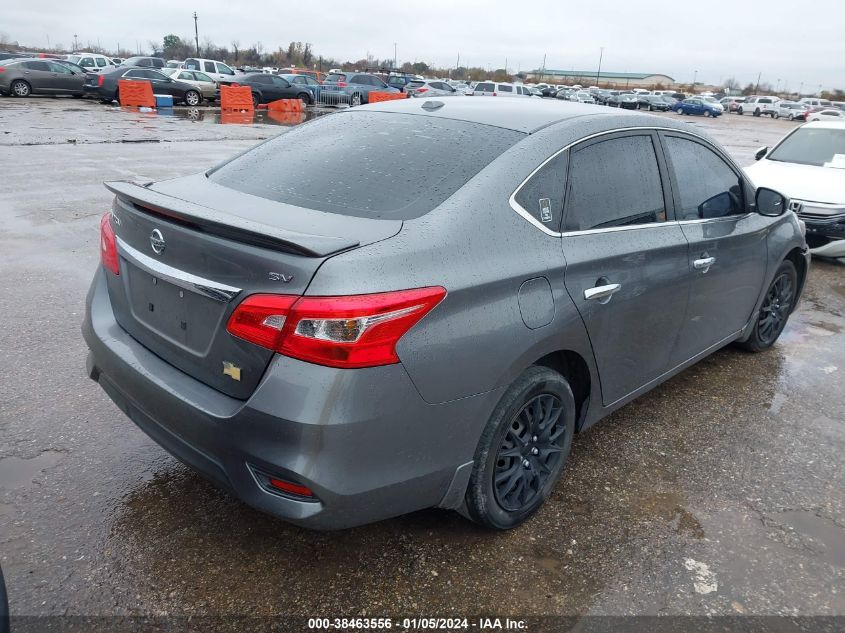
601 75
521 114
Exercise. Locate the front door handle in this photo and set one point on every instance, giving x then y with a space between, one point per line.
704 263
601 292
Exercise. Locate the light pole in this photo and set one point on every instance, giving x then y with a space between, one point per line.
777 88
598 72
694 78
196 34
75 43
394 55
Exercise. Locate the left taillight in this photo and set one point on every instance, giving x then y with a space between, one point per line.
108 245
100 80
346 331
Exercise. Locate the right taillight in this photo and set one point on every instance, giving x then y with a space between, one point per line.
108 245
342 331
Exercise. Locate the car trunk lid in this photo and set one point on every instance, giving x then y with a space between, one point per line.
185 265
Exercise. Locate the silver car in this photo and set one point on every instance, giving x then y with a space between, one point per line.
430 88
338 337
209 88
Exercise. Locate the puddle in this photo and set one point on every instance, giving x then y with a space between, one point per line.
259 117
18 473
821 531
669 507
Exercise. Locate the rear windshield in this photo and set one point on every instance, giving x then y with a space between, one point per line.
335 77
415 84
367 164
810 146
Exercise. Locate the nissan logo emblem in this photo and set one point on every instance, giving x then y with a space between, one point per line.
157 241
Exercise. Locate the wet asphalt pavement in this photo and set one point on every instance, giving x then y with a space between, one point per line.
720 492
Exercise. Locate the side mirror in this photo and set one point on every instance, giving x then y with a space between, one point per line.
770 202
761 152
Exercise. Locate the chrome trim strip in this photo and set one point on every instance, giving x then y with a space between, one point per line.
201 285
525 214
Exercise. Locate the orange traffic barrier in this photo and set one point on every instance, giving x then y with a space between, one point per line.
375 97
286 105
136 93
286 118
236 98
236 118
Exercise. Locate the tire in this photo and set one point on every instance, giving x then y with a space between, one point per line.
707 113
536 415
739 111
791 117
255 100
650 108
757 112
356 100
775 115
305 98
20 88
192 98
778 303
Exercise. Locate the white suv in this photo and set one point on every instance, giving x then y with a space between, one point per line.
218 71
494 89
91 62
758 105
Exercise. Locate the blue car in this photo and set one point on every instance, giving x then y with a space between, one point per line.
696 105
307 82
352 88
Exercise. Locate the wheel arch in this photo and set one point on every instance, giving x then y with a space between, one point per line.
19 80
572 366
796 256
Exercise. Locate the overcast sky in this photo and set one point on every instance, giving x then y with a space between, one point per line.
784 39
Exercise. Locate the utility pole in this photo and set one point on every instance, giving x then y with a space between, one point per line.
543 70
757 87
394 55
598 72
506 65
777 90
694 78
196 34
800 88
75 43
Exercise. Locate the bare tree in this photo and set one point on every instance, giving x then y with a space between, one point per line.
235 46
731 84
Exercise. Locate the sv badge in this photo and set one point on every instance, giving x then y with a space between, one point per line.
280 277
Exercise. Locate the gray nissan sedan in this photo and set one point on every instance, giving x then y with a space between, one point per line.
417 303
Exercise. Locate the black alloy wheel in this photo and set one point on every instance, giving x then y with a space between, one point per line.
529 453
776 308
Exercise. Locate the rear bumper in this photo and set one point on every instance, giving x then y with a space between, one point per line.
363 440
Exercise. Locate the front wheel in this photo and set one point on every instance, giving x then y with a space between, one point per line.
739 111
192 98
523 449
777 305
255 100
356 99
756 112
791 117
305 98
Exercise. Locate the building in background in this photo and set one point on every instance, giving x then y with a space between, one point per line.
609 79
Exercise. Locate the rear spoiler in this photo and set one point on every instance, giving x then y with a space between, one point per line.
226 225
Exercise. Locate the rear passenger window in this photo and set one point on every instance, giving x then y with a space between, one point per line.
706 186
542 194
504 88
614 183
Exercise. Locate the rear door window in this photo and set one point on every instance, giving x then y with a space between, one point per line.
505 88
706 186
377 165
614 183
42 66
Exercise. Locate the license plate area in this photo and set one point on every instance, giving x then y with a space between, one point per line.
179 315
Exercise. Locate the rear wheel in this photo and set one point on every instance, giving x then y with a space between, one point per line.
192 98
356 99
775 310
523 449
791 117
305 98
739 111
20 88
255 100
757 112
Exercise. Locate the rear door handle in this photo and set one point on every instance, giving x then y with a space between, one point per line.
601 292
704 263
